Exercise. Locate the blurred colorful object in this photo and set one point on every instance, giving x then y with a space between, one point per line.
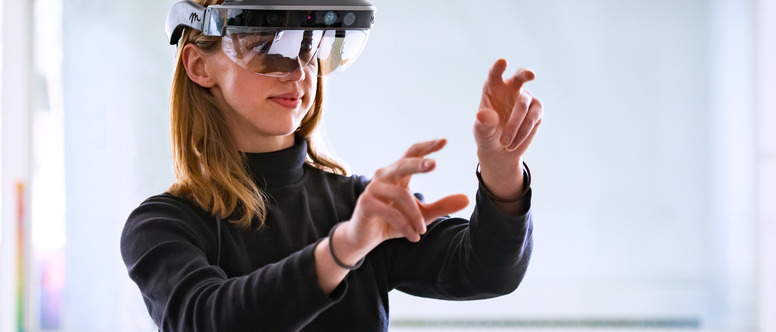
52 284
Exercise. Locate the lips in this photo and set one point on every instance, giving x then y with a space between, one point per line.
288 100
289 95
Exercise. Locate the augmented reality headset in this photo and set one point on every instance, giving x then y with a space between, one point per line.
279 37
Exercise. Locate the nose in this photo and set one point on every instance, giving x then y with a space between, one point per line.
295 76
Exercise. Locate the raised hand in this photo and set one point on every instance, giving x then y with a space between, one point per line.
387 209
507 121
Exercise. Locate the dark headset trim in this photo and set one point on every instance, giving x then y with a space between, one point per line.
213 20
218 18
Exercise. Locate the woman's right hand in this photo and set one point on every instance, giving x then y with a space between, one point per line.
387 209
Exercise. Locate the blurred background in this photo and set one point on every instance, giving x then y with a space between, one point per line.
654 169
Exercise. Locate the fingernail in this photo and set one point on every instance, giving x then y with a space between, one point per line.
426 165
504 140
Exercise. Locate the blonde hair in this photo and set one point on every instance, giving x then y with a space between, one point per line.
209 169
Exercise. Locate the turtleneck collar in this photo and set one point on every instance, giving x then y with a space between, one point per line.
278 168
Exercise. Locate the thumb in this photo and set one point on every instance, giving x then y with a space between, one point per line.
443 207
486 129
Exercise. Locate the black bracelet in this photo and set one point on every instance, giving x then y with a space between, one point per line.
526 186
336 260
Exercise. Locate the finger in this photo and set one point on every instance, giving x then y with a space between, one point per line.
404 167
425 148
532 118
443 207
496 73
516 119
521 76
524 147
400 199
378 209
486 130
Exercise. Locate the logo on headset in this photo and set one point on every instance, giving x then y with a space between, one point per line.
194 17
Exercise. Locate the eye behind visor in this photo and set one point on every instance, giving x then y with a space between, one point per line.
281 52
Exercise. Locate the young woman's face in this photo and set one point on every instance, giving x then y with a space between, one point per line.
262 110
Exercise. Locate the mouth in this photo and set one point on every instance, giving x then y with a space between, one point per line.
287 100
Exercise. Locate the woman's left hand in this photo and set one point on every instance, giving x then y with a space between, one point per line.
506 124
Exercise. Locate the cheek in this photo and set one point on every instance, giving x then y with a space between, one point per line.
244 90
311 83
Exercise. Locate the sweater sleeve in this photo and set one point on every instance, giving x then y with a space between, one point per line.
457 259
164 245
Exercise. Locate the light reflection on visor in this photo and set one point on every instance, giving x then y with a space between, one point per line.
281 52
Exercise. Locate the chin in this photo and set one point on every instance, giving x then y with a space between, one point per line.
280 130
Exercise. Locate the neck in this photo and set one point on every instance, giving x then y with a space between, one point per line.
261 144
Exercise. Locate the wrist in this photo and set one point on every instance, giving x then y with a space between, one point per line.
501 158
503 177
347 239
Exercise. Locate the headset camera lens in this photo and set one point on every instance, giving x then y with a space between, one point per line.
273 18
350 18
330 18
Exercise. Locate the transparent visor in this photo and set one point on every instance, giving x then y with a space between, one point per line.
281 52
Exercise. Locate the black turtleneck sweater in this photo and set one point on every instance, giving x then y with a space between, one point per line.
264 280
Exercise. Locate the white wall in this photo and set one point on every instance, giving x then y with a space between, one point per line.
731 94
117 73
766 162
633 215
628 188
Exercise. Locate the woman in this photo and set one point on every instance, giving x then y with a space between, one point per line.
262 232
